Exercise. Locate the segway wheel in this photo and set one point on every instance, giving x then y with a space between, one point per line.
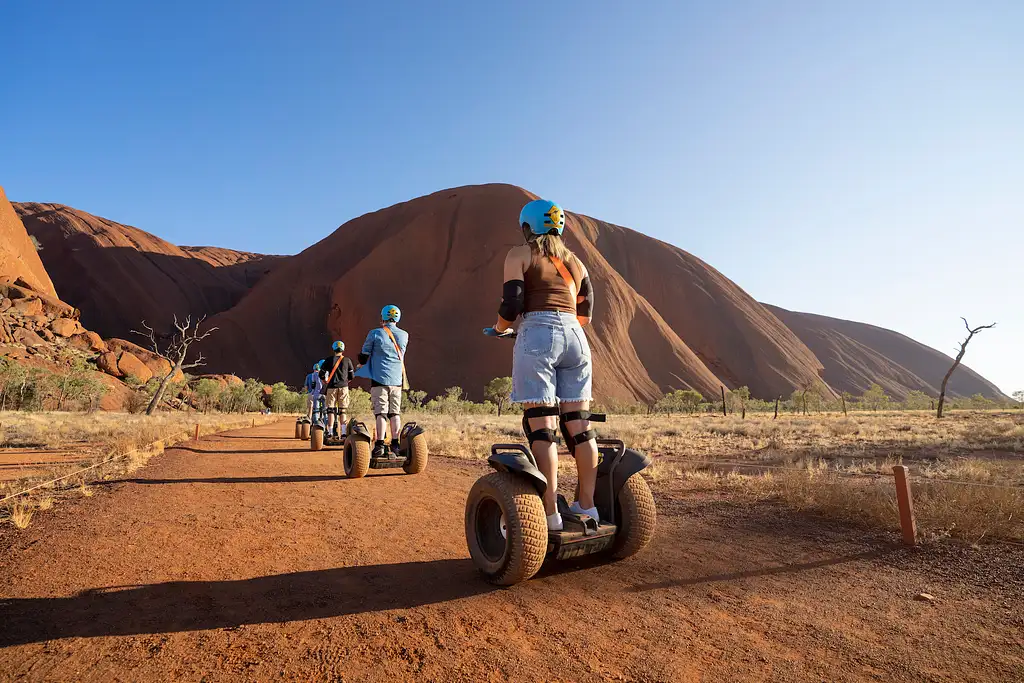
357 458
304 432
298 430
506 529
637 516
417 461
316 439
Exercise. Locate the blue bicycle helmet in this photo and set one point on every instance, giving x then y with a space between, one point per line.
390 314
338 346
317 365
542 217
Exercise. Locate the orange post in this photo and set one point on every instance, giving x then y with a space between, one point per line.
906 505
197 432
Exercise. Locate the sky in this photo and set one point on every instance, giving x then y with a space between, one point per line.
858 159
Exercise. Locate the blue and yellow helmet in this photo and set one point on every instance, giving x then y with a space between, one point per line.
317 365
338 346
542 217
390 314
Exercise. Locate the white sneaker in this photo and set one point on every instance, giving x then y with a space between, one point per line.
555 522
580 510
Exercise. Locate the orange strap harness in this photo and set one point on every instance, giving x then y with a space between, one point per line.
335 368
401 359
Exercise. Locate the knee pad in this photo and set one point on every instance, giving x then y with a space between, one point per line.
392 415
332 411
572 441
545 434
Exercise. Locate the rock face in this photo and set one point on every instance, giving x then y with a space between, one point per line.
119 275
18 255
443 255
855 355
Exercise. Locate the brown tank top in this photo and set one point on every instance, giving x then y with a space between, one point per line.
545 288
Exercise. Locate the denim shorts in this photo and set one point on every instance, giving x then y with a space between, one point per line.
551 361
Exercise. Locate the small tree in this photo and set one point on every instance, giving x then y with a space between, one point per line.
499 392
1018 396
415 398
917 400
959 357
174 349
875 398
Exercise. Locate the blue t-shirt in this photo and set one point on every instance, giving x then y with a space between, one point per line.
313 384
384 365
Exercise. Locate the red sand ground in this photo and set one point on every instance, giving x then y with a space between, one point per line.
247 557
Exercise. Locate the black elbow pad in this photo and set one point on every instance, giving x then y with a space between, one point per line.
585 303
363 357
513 299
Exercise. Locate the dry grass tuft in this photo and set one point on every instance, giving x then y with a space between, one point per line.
21 515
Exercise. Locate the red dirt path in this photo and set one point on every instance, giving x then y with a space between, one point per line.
246 557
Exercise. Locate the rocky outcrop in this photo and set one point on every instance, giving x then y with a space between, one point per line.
19 258
119 275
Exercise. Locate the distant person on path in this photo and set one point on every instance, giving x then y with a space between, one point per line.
337 371
314 387
551 363
382 360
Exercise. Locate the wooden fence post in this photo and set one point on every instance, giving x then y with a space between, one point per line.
844 404
776 410
906 505
197 432
724 413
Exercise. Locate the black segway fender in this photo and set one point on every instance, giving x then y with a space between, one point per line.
409 430
358 430
516 459
615 465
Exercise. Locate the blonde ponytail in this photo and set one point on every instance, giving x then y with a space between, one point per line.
551 245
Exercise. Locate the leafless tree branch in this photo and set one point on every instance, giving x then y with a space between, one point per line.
959 357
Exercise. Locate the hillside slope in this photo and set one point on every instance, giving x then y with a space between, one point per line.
119 275
439 258
855 355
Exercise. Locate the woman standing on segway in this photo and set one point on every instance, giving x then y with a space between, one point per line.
551 364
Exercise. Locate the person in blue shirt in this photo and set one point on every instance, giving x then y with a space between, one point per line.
314 387
382 361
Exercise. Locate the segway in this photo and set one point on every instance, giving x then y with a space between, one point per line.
359 458
316 429
506 528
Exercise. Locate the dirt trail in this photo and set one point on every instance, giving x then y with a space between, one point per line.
247 557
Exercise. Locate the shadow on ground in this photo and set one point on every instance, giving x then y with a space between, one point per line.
195 605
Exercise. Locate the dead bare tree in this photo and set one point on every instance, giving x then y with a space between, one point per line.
959 357
174 348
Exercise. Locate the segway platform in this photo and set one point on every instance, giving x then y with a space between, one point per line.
580 535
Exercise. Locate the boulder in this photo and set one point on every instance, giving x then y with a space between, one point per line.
107 362
88 341
117 393
38 322
25 336
66 327
47 335
129 364
29 306
12 352
5 303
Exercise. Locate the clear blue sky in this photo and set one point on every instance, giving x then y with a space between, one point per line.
858 159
